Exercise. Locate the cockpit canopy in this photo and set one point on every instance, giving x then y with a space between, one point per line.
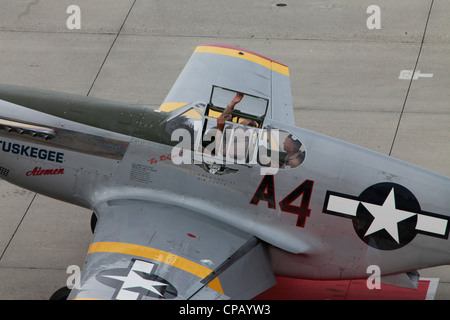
245 139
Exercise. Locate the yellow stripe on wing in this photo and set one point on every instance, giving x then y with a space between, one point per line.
157 255
171 106
192 113
238 53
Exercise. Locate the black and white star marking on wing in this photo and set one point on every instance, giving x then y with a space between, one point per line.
386 216
137 281
134 279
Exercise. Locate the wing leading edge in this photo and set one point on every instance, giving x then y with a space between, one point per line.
147 250
237 69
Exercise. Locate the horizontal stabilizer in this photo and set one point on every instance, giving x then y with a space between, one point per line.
408 280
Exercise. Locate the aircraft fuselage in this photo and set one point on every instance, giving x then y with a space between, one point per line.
344 209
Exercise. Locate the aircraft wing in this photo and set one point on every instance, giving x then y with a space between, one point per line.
148 250
236 69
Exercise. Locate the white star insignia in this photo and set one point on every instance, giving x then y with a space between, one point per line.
135 280
386 216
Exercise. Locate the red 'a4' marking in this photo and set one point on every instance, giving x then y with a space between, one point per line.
266 192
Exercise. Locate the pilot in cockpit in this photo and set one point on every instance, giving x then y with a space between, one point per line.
294 156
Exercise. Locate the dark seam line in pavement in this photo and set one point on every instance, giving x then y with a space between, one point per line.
412 77
208 36
18 226
110 48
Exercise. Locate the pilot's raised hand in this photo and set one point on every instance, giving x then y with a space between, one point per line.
236 100
230 107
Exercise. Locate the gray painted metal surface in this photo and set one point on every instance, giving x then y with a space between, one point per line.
370 209
356 117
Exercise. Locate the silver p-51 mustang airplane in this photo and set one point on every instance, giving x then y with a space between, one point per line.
181 216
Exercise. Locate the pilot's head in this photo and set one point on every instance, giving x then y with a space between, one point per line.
291 144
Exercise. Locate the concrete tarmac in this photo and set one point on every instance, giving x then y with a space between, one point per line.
351 77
